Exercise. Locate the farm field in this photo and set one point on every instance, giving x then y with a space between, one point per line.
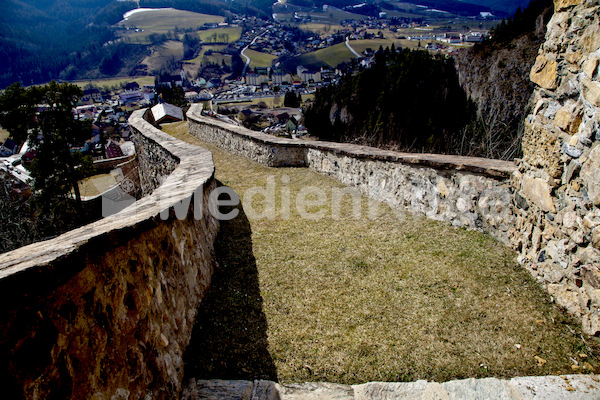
221 35
258 59
164 20
321 29
116 82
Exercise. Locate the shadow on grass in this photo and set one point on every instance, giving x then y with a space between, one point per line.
229 339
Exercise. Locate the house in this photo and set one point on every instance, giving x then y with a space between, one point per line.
91 96
8 148
164 112
113 150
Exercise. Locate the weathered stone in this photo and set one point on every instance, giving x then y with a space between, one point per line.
596 237
560 5
537 191
565 297
591 274
544 73
571 151
591 91
590 174
591 66
590 322
569 118
541 148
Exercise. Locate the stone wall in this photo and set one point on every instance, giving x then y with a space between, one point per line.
558 181
467 192
106 311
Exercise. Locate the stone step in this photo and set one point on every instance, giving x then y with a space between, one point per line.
563 387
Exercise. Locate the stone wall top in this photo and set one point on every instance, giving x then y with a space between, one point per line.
195 168
488 167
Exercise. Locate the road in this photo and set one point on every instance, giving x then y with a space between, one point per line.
351 49
246 48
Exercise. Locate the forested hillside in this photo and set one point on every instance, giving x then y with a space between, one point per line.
495 76
408 100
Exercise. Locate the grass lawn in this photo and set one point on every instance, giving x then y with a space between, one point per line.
112 82
232 34
97 184
350 300
258 59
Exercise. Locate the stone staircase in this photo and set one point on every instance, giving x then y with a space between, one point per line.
567 387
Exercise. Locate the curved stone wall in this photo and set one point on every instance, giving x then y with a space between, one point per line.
465 191
105 311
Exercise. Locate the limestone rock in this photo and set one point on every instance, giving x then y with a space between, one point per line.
560 5
591 91
591 274
544 73
590 66
537 191
590 174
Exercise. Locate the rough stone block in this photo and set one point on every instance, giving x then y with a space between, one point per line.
591 91
544 73
560 5
590 174
537 191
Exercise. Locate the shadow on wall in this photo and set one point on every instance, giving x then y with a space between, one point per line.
229 339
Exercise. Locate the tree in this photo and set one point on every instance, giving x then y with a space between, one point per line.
291 99
53 132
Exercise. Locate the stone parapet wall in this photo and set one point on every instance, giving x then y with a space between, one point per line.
106 311
558 181
467 192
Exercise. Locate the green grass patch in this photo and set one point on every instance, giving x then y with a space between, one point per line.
395 298
163 21
258 59
116 82
223 35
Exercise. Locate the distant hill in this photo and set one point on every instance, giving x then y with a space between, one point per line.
507 6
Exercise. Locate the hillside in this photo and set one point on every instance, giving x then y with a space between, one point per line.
42 40
495 75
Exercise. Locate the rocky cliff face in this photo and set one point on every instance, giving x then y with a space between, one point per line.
558 184
495 75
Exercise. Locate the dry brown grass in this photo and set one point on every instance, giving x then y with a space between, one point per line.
398 298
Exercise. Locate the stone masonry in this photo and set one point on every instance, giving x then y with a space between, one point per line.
467 192
557 184
106 311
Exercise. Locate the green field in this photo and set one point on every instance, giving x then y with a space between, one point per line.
163 21
116 82
258 59
221 35
320 28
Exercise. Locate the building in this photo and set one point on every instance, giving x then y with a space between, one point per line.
256 79
165 112
305 75
279 78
